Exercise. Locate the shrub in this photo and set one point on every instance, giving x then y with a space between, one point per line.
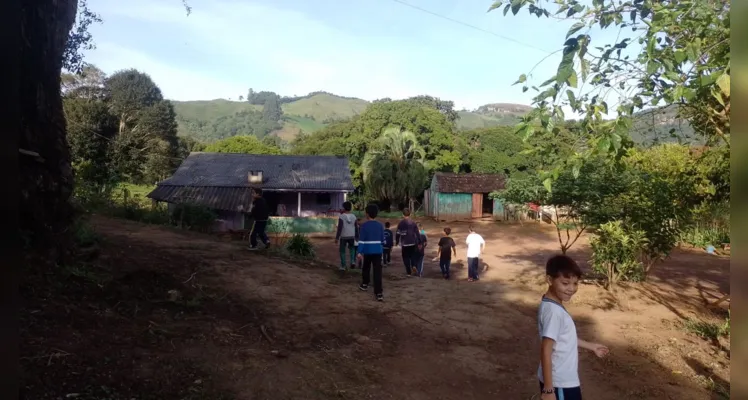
707 330
193 217
616 253
83 234
300 245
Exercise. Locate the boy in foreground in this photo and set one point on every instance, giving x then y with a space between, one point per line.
370 245
387 254
346 235
445 248
475 246
260 214
559 353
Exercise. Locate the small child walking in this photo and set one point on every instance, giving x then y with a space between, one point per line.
559 346
346 236
446 247
388 242
370 247
475 246
421 250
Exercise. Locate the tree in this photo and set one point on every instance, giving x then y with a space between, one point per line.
129 92
394 168
684 60
46 177
79 38
88 84
91 129
578 201
242 144
271 110
445 107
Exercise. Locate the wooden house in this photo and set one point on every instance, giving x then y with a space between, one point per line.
304 193
453 197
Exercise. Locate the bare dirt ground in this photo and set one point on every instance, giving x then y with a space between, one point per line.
163 314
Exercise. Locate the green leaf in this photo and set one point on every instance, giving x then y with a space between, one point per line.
680 56
575 171
652 66
547 184
724 84
632 15
506 9
494 6
522 79
572 79
524 89
603 145
572 99
516 6
585 67
574 29
548 82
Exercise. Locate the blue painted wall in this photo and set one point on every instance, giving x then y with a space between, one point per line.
453 206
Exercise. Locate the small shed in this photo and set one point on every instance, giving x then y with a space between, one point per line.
453 197
303 193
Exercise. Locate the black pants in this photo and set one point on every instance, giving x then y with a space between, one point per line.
387 256
473 265
410 258
258 229
444 264
372 261
567 393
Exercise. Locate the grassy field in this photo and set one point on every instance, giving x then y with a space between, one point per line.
211 109
325 106
305 124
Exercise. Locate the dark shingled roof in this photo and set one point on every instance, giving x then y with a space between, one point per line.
219 198
302 173
468 183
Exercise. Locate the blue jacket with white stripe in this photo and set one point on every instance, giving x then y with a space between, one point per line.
371 237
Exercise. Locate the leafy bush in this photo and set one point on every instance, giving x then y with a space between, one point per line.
83 234
707 330
616 253
300 245
193 217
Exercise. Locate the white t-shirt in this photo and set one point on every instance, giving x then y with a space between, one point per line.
474 242
555 323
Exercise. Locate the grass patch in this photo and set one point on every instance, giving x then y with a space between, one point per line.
707 330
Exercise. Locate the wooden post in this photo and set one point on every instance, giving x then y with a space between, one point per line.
298 212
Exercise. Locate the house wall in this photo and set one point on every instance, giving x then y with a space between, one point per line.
453 206
307 225
310 206
228 220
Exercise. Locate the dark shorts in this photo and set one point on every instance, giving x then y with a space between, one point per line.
566 393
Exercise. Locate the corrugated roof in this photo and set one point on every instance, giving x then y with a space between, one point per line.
219 198
469 183
280 172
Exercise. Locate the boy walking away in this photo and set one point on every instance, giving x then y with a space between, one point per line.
260 214
387 253
370 249
422 249
408 235
444 252
475 246
347 235
559 353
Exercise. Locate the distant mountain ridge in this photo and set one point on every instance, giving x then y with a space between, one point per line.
211 120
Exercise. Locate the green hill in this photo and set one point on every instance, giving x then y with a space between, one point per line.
213 120
325 107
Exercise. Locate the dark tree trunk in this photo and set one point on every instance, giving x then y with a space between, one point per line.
46 178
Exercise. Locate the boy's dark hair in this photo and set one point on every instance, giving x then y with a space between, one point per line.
420 225
471 229
447 231
406 212
387 224
372 211
562 265
257 191
347 206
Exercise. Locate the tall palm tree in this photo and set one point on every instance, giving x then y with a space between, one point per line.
394 167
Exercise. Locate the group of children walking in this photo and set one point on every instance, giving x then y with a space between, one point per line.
370 243
362 242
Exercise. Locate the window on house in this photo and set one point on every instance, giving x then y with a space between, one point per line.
324 199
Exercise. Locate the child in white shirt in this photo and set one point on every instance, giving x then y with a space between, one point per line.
559 353
475 246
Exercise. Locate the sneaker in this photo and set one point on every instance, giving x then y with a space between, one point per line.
471 280
252 248
380 297
414 271
267 245
363 287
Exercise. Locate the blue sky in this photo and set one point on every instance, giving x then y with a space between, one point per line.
361 48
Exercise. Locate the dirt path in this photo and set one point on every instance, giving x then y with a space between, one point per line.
430 339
